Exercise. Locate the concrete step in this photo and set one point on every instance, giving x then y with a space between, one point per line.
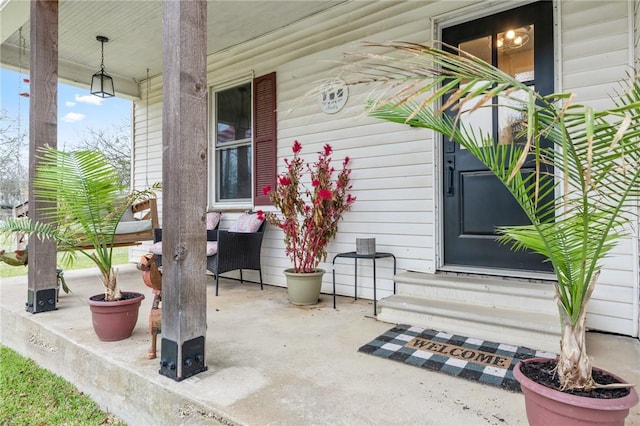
514 312
480 290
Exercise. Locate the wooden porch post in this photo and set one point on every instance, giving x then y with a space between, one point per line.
184 176
43 129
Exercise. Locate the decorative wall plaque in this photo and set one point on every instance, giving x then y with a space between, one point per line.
333 95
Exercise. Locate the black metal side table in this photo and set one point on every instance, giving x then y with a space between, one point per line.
355 256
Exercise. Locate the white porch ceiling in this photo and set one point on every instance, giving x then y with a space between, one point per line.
134 29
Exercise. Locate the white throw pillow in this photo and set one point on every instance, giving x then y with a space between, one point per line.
246 223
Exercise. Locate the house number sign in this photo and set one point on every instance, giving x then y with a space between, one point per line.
333 96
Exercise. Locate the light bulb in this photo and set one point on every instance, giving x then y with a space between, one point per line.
511 34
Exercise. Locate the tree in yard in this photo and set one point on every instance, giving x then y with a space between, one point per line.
14 175
115 144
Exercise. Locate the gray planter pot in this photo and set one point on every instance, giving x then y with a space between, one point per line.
304 288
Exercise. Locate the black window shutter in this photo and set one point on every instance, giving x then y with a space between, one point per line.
264 139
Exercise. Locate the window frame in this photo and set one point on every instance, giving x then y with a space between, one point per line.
214 161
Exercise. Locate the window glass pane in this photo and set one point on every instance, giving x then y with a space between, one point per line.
515 52
512 124
481 117
480 47
234 173
478 117
233 114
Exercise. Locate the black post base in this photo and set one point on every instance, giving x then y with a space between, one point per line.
192 361
41 300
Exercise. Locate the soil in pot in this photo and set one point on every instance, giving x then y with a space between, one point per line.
544 373
125 296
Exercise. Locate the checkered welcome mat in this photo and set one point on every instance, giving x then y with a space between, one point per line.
473 359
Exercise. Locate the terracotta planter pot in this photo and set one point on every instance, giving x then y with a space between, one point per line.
304 288
114 321
546 406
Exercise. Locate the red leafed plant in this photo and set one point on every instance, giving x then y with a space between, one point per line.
309 216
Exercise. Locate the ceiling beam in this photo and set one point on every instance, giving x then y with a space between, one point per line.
69 73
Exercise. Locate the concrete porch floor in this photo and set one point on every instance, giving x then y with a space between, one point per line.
269 363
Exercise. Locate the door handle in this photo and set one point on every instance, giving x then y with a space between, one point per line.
450 167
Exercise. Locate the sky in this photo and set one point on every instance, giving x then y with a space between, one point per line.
78 110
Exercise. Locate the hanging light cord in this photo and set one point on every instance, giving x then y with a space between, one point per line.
21 49
146 167
21 83
102 55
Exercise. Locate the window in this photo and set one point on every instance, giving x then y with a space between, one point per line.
233 141
244 141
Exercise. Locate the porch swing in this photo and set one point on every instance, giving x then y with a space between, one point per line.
140 220
136 225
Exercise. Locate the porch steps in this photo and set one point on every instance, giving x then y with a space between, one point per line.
516 312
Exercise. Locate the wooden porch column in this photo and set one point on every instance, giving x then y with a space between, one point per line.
43 129
184 177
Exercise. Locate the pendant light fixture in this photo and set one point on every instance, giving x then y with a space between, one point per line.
101 82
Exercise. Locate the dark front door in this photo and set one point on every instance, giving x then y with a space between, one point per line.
519 42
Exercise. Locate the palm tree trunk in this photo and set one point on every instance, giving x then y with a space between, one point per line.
111 288
574 365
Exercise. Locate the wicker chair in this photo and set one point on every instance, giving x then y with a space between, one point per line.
156 249
237 249
213 222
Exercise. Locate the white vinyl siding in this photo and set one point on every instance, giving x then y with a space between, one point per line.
595 59
147 147
394 166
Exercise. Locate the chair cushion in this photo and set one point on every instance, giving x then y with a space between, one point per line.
246 223
212 220
133 226
212 248
156 248
127 216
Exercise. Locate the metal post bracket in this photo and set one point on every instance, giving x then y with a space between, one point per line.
192 361
41 300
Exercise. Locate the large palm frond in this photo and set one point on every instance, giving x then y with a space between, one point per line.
82 191
593 156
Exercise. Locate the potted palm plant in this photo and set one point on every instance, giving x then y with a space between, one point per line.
87 203
310 206
579 198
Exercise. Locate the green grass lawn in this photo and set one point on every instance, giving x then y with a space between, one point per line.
120 256
30 395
